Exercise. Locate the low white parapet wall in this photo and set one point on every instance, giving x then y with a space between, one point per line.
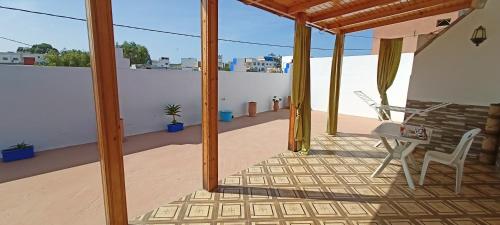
53 107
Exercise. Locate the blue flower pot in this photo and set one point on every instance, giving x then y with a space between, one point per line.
175 127
14 154
226 116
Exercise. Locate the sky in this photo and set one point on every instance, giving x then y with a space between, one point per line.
236 21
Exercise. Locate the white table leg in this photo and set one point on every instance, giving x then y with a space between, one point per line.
409 179
413 162
404 154
387 159
380 168
380 142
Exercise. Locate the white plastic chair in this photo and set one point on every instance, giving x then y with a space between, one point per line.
455 159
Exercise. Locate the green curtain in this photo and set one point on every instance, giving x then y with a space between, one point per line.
336 74
388 64
301 90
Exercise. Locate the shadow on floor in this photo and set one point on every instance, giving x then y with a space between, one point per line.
288 193
63 158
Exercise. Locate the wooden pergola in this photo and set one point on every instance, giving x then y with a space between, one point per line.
334 16
346 16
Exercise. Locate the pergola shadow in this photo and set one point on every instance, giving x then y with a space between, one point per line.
288 193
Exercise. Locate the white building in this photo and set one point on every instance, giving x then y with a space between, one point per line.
267 64
239 65
262 65
189 64
21 58
220 63
161 63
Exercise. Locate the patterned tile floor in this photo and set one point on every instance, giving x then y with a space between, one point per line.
332 186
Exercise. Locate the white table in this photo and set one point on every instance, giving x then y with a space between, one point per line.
403 150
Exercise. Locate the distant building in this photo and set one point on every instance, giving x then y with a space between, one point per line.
220 63
190 64
267 64
21 58
238 65
415 32
161 63
175 66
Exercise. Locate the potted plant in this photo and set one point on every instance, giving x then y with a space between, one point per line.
225 115
18 152
276 103
174 110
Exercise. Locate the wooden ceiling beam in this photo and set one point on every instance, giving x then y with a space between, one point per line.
402 8
409 16
279 10
269 5
360 5
303 6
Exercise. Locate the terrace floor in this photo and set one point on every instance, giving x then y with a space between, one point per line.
333 185
63 186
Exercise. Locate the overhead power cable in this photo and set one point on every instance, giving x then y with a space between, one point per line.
171 32
16 41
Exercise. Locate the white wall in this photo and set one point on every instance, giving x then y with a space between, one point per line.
53 106
46 107
358 73
453 69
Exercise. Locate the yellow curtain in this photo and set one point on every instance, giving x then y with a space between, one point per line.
301 91
336 74
388 63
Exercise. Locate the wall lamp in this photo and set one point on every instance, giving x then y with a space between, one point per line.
479 35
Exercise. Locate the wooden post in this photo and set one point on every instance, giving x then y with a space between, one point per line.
209 95
102 57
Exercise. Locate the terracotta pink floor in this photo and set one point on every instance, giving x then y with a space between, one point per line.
63 186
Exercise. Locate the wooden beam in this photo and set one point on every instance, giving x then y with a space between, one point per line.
209 92
279 10
102 58
301 18
402 8
409 16
303 6
354 7
269 5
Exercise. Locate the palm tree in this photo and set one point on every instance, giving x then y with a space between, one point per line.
173 110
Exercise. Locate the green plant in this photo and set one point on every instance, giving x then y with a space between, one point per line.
173 110
21 145
138 54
